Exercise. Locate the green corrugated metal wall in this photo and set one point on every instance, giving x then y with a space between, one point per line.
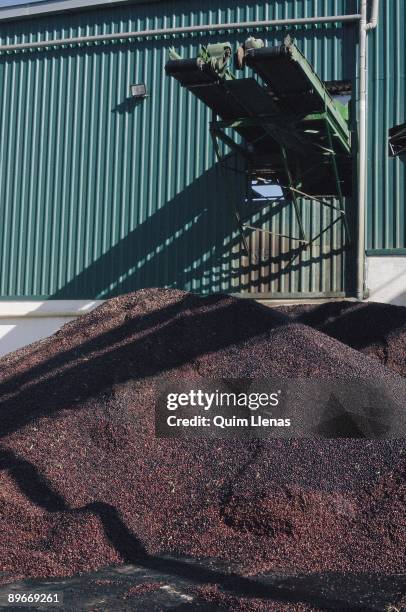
99 196
386 227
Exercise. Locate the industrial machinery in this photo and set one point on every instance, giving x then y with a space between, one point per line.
282 121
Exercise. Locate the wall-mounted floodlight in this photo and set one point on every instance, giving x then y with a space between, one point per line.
138 91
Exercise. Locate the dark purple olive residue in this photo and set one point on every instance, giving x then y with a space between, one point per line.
84 482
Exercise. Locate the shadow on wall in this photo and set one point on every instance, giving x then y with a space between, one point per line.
192 238
189 242
182 240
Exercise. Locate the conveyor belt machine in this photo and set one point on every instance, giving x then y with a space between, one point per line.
283 120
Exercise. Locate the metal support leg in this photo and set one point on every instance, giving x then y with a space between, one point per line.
339 191
294 198
235 209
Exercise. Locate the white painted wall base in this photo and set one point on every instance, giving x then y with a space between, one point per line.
22 323
15 333
386 279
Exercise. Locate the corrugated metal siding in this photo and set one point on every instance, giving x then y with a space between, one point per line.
386 227
99 196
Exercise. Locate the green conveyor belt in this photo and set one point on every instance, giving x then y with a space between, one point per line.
290 111
296 87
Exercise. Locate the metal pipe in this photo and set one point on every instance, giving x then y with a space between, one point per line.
364 27
373 20
180 30
362 150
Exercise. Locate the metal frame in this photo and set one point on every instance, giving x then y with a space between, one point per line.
293 187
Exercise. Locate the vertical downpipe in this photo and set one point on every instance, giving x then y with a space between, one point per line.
362 155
